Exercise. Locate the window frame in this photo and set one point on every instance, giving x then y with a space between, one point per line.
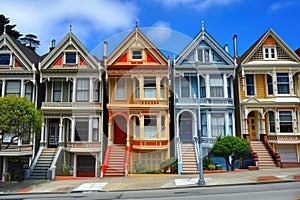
10 94
81 131
137 54
286 122
218 126
120 88
268 54
57 91
281 83
270 87
85 91
66 60
150 83
271 124
9 59
151 122
250 85
187 80
218 88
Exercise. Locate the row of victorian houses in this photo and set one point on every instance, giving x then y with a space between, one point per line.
104 116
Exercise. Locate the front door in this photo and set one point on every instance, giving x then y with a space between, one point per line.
252 127
120 130
186 127
53 135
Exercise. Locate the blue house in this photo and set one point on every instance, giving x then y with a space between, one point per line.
204 99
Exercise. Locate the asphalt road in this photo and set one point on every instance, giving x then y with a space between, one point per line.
269 191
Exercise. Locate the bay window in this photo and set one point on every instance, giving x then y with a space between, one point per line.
217 124
286 121
216 86
120 88
270 84
149 87
250 85
185 86
57 91
82 90
81 129
13 88
283 83
150 126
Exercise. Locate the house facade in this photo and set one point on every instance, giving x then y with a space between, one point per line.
18 76
204 98
267 83
138 107
72 108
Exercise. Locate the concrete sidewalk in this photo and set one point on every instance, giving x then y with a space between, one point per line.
150 181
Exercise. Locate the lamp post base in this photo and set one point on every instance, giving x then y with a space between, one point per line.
201 182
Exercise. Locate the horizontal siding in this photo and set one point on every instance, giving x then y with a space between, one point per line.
260 86
242 93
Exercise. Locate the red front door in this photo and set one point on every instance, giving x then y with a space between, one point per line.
120 130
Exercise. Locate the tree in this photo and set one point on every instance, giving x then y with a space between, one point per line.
9 28
18 116
30 41
230 146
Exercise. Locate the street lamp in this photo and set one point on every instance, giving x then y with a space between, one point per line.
201 180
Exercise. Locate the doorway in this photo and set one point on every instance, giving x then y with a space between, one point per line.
120 129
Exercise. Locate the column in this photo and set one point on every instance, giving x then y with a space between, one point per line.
109 139
226 123
74 90
91 98
3 87
43 134
208 115
291 83
22 88
207 86
4 168
225 88
128 134
73 130
60 132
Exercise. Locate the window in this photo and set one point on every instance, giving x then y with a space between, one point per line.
163 126
4 59
150 126
96 91
95 133
163 83
137 127
151 159
136 55
120 91
270 53
229 87
286 122
81 129
203 124
28 90
185 86
137 88
82 90
271 122
250 84
216 57
71 58
70 91
203 55
230 124
1 88
57 91
13 88
217 124
283 83
202 87
270 84
216 86
149 87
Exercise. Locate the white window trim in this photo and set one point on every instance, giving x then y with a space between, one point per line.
10 57
267 88
61 91
125 88
254 81
142 54
65 58
269 48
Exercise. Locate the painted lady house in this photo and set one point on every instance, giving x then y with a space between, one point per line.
204 104
72 112
17 77
268 82
138 107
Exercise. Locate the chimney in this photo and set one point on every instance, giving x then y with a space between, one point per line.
235 46
52 44
226 47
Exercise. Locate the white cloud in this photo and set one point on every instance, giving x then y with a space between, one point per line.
199 5
279 5
50 19
160 31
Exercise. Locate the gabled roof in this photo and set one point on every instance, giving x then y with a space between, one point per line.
28 57
136 37
246 57
69 40
203 35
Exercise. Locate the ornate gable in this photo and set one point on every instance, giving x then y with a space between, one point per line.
69 54
15 57
204 50
270 47
136 49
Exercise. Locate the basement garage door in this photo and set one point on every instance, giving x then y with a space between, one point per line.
86 166
287 153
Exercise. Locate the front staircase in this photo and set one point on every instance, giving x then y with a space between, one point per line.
189 161
116 161
43 164
265 160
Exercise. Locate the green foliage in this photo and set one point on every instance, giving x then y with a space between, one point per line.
18 115
4 21
30 41
206 161
170 165
138 167
232 146
64 171
211 167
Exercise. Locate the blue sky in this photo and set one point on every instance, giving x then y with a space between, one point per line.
170 24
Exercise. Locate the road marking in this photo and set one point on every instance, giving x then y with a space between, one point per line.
189 181
87 187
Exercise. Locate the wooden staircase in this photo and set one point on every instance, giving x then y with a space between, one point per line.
43 164
189 161
116 162
265 160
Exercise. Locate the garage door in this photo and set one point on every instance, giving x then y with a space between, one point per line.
85 166
287 153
